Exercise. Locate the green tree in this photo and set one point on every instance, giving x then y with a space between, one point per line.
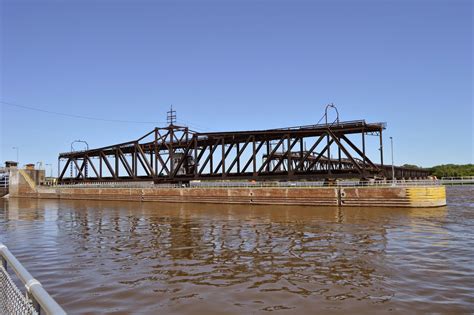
453 170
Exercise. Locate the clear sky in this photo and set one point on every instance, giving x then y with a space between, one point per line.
228 65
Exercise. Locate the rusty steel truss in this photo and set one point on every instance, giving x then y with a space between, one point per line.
177 154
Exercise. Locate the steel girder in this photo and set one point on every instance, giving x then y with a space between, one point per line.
177 154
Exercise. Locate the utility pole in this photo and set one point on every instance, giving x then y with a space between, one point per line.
51 169
17 155
393 166
171 116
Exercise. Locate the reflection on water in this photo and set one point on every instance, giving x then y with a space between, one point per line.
122 257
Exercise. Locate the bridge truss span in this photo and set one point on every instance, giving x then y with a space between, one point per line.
176 154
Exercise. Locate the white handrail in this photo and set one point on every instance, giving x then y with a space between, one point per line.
262 184
33 286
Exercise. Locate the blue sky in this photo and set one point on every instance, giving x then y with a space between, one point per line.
228 65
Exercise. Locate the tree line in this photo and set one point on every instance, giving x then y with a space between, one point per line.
448 170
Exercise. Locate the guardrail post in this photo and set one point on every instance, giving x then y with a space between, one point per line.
35 303
42 302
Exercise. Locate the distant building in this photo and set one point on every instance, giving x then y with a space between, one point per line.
38 176
9 164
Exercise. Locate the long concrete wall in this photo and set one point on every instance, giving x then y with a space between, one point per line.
429 196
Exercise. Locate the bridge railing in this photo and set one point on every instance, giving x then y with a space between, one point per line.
4 180
386 183
458 178
113 185
249 184
12 301
462 180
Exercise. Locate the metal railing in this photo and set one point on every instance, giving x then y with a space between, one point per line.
263 184
462 180
309 184
391 183
12 301
465 180
114 185
4 180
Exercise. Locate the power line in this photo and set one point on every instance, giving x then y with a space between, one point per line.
78 116
192 125
171 116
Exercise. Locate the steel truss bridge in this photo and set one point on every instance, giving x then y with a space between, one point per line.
176 154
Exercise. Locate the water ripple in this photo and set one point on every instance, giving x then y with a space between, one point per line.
120 257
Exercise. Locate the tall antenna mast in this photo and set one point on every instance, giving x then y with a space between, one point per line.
171 116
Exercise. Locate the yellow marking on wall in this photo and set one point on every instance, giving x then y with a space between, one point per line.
419 195
28 179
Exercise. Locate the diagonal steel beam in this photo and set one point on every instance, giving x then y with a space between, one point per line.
355 148
166 163
143 160
157 147
198 158
224 156
65 168
209 156
305 158
183 158
109 167
239 153
125 162
78 168
320 154
287 153
92 165
81 174
341 146
163 163
145 166
270 156
254 155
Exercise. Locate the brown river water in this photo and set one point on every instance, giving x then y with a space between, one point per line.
98 257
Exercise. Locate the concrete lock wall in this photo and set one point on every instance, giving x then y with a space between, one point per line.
420 196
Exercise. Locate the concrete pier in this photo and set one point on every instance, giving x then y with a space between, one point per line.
371 196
